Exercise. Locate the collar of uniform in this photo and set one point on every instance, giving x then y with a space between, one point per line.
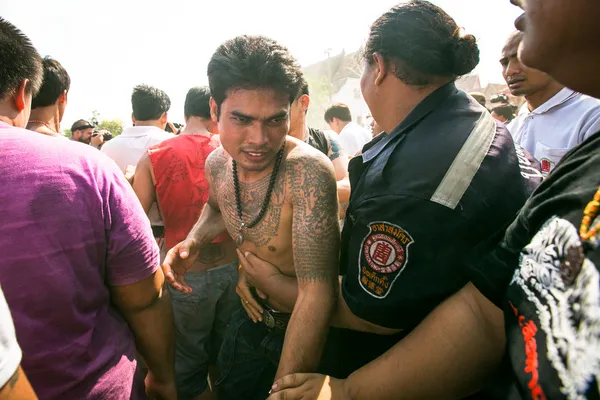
140 131
558 99
423 109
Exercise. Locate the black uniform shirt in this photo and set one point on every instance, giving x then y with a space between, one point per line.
423 196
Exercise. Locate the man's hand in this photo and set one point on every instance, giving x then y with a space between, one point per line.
160 390
178 261
257 270
249 303
308 386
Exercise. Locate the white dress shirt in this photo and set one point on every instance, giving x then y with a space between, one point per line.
555 127
127 149
353 137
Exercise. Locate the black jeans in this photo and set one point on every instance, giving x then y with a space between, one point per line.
248 359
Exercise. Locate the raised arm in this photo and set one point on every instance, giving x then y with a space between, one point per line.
315 243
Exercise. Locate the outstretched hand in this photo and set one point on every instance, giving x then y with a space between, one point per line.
308 386
178 261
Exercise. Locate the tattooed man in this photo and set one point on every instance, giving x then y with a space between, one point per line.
276 196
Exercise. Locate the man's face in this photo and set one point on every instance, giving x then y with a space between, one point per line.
253 125
560 38
84 135
521 80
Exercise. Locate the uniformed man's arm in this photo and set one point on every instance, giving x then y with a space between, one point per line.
315 245
143 183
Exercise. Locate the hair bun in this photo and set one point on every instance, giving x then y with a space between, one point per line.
466 54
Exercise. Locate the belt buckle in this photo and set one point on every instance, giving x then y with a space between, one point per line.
269 320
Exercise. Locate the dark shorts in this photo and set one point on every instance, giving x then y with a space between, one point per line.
200 320
248 359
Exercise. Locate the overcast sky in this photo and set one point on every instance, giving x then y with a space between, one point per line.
110 46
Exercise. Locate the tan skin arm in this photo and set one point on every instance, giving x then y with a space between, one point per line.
143 183
17 387
146 307
315 246
466 330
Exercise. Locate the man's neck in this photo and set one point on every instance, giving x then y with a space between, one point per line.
155 124
301 133
343 125
194 127
540 97
49 120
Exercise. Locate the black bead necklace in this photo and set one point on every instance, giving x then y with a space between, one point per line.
239 239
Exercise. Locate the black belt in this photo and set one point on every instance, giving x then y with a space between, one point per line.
273 319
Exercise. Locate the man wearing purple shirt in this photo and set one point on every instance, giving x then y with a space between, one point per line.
79 265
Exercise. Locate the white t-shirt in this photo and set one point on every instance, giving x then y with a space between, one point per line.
127 149
353 137
10 352
555 127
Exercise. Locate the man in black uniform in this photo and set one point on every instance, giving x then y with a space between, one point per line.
443 180
543 274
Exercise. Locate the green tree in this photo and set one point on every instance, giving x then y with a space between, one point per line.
320 91
114 126
68 133
94 119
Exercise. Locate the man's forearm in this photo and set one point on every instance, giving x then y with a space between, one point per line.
154 333
208 227
282 291
449 355
303 347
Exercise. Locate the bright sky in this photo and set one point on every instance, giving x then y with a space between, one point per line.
109 46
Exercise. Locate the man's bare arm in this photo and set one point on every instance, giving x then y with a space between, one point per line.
466 330
315 244
147 308
143 184
338 157
17 387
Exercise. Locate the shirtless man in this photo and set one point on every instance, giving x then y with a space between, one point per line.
276 196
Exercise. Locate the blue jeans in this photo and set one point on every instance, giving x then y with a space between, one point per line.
248 359
201 318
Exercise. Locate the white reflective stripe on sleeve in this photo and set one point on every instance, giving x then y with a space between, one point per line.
466 164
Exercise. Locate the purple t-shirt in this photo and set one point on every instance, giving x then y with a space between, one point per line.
70 227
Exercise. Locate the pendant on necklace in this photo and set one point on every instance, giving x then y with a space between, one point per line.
239 238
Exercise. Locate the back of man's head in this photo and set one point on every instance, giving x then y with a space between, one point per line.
504 111
197 103
253 62
56 82
149 103
19 61
339 111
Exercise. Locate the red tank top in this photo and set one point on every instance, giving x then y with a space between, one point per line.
181 186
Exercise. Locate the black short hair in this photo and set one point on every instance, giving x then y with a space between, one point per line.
149 103
421 42
253 62
56 81
505 110
339 111
197 102
19 60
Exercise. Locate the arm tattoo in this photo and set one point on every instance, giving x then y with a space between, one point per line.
211 253
334 148
12 382
315 227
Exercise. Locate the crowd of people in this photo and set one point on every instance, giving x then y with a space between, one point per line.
451 252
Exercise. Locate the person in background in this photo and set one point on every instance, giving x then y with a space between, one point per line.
81 131
172 174
48 106
554 118
14 385
79 266
480 97
326 142
97 139
503 113
150 115
351 136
